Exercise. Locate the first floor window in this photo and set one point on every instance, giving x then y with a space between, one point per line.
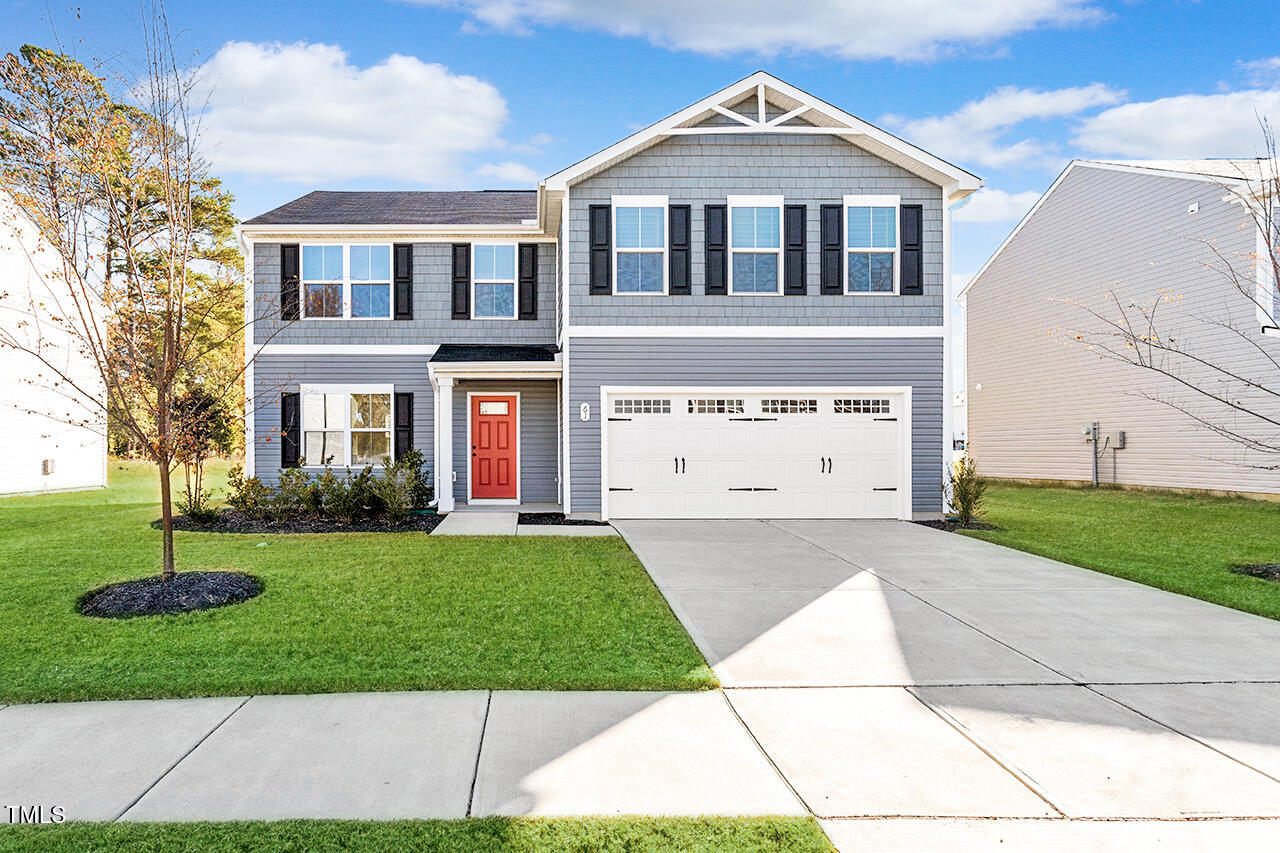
494 276
341 429
755 240
322 278
640 237
872 227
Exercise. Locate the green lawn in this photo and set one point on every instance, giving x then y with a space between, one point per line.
1182 543
576 835
340 612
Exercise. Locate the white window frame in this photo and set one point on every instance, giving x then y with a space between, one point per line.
661 201
893 201
515 280
346 278
1268 315
347 390
754 201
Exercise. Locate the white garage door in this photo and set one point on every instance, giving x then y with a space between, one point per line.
728 454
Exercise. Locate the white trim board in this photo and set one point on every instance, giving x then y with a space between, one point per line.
346 349
755 331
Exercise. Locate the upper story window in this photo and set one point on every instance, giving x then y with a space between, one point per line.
346 426
493 281
755 241
640 244
872 252
346 281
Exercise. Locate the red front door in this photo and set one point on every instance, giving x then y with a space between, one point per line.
494 465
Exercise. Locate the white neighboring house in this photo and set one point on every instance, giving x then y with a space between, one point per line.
52 441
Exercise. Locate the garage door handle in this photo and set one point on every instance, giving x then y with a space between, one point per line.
824 464
753 419
619 489
830 467
683 468
619 419
882 489
884 419
752 489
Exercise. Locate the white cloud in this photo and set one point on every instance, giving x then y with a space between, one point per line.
988 205
510 172
850 29
1221 125
1263 73
976 133
303 112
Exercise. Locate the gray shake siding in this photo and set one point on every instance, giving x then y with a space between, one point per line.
702 170
537 451
432 321
1031 388
274 375
736 361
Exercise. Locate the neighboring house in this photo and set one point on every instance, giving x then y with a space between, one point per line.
739 311
1144 231
52 439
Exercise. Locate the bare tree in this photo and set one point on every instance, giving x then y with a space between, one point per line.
1231 391
141 234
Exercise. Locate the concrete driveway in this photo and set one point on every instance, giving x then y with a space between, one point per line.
902 674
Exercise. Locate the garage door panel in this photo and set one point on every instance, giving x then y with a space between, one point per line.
727 454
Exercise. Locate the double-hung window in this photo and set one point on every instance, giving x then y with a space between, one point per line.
347 281
640 242
871 255
493 279
755 244
346 425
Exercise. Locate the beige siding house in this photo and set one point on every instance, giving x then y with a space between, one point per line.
1108 237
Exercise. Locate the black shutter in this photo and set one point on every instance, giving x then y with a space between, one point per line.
402 281
404 424
290 429
678 216
793 264
717 263
461 281
601 255
289 281
912 273
528 282
832 250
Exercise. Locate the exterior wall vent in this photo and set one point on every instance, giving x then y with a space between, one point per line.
46 467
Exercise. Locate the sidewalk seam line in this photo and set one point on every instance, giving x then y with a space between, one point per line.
181 759
475 773
989 751
767 756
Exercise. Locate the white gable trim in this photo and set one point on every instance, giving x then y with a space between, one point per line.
826 120
1086 164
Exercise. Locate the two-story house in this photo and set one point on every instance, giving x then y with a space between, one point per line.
737 312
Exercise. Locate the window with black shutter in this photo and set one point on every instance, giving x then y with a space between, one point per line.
794 240
290 429
678 216
601 261
289 281
403 424
403 281
717 249
461 281
832 271
912 281
528 283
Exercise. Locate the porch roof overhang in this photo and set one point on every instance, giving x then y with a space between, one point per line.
495 361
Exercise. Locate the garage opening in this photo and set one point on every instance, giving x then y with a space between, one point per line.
723 453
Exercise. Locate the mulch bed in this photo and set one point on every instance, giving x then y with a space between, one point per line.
187 591
1266 571
951 526
558 518
232 521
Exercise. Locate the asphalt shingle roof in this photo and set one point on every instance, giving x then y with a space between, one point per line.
495 352
483 207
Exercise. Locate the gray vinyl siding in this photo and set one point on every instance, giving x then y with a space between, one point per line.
1104 232
701 170
726 362
432 307
539 429
274 375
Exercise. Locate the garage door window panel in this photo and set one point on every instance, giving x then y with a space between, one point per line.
789 406
716 406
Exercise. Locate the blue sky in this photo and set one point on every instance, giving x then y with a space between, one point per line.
494 93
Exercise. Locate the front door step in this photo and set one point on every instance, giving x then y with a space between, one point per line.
478 524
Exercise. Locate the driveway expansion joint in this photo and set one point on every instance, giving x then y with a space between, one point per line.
475 773
767 756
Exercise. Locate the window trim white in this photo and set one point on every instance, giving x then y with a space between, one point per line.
733 201
661 201
346 278
348 390
515 280
893 201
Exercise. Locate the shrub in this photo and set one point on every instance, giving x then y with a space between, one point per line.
198 506
249 495
967 489
290 495
410 466
347 498
395 489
